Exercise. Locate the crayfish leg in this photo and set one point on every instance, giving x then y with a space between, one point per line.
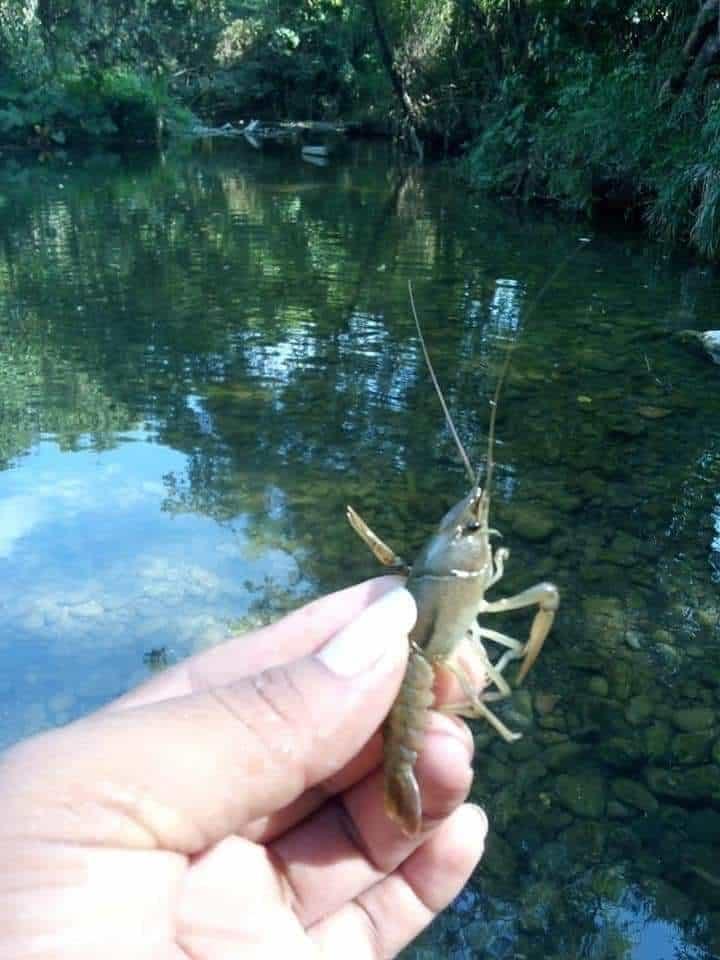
381 551
473 707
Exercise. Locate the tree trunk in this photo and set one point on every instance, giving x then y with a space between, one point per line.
701 50
406 105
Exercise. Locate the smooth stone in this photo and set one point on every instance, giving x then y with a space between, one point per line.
625 543
634 794
621 753
598 686
592 714
620 680
591 484
708 616
515 719
550 738
696 784
508 807
553 722
582 660
497 772
672 817
639 710
626 426
691 719
650 412
552 820
586 840
530 772
657 740
532 523
562 755
522 750
582 794
618 811
545 703
625 840
499 859
669 654
522 703
690 748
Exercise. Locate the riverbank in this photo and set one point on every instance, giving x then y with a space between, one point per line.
594 111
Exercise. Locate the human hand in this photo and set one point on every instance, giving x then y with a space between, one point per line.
232 805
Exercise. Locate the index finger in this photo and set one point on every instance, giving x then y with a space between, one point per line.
294 636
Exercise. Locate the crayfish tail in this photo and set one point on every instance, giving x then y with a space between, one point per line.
402 799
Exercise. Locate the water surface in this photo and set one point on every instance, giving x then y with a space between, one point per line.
206 355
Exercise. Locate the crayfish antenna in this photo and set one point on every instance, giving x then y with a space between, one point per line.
438 390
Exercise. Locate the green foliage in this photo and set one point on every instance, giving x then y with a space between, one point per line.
598 131
687 205
559 99
110 104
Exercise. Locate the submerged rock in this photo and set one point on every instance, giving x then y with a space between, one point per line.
690 748
634 794
586 840
582 794
598 686
562 755
639 710
692 719
657 740
621 753
532 523
537 906
691 784
499 859
618 811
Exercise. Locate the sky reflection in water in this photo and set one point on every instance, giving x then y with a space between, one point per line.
94 573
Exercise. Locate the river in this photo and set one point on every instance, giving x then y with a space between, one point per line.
205 354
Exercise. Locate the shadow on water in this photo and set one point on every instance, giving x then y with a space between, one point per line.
206 356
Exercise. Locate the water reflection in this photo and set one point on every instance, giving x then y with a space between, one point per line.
204 360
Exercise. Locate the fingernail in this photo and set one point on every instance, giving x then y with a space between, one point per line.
482 820
363 642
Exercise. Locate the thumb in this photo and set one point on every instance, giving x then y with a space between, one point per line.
183 773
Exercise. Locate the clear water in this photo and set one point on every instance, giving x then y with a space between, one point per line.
205 355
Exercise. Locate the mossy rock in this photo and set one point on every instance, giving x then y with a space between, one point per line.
533 523
562 755
692 719
639 710
693 785
499 859
690 749
634 794
622 753
583 794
